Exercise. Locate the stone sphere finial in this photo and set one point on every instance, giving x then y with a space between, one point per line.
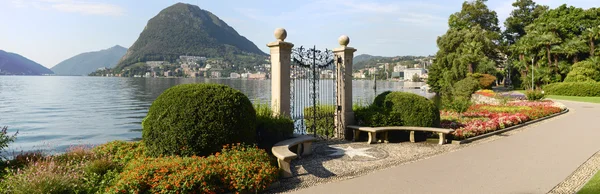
344 40
280 34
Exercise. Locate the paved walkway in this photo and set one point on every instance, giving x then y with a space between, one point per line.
532 161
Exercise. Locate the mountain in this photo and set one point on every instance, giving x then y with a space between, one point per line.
86 63
364 57
184 29
14 64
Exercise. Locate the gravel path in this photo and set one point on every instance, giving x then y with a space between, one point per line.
580 177
533 159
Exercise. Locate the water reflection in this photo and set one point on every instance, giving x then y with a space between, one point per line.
53 113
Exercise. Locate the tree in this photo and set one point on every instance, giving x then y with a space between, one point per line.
525 13
475 13
592 34
416 78
472 40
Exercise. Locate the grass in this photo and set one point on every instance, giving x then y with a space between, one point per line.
593 186
575 98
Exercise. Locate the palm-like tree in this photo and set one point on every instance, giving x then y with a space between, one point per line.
573 47
592 34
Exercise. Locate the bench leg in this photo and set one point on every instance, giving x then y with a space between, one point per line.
385 137
442 138
412 136
299 150
284 167
307 148
356 134
372 138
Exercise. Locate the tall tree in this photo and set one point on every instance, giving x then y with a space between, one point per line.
525 12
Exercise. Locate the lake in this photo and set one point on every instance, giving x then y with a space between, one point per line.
52 113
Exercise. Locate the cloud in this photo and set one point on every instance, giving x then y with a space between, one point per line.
72 6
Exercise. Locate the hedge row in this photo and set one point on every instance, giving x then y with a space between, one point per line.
573 89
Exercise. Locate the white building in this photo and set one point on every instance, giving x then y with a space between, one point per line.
399 68
409 73
234 75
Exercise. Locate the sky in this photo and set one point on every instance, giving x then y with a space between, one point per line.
50 31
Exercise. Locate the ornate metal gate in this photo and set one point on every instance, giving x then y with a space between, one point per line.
313 92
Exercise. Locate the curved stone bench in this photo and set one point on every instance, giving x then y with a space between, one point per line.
374 130
284 156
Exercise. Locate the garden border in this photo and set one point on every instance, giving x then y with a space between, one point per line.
468 140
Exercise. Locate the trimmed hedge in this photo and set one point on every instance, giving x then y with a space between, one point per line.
414 110
271 129
198 119
573 89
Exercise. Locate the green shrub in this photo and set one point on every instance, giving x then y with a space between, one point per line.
486 81
414 110
583 71
573 89
465 87
121 152
457 104
271 129
535 95
373 116
198 119
100 166
379 99
6 139
236 168
325 125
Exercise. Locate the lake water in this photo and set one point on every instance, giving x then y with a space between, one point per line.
52 113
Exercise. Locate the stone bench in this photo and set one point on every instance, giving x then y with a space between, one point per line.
281 150
374 130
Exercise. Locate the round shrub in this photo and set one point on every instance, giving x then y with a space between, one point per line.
583 71
573 89
198 119
378 101
414 110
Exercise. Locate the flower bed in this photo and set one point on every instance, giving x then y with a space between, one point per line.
488 93
484 118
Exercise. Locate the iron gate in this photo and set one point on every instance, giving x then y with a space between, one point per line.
313 92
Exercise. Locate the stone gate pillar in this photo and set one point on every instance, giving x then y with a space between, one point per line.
280 73
345 115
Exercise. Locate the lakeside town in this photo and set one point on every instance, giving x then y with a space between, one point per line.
203 67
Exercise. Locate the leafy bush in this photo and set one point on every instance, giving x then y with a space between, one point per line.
486 81
271 129
236 168
465 87
414 110
6 139
198 119
535 95
583 71
324 125
379 99
121 152
458 104
373 116
573 89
